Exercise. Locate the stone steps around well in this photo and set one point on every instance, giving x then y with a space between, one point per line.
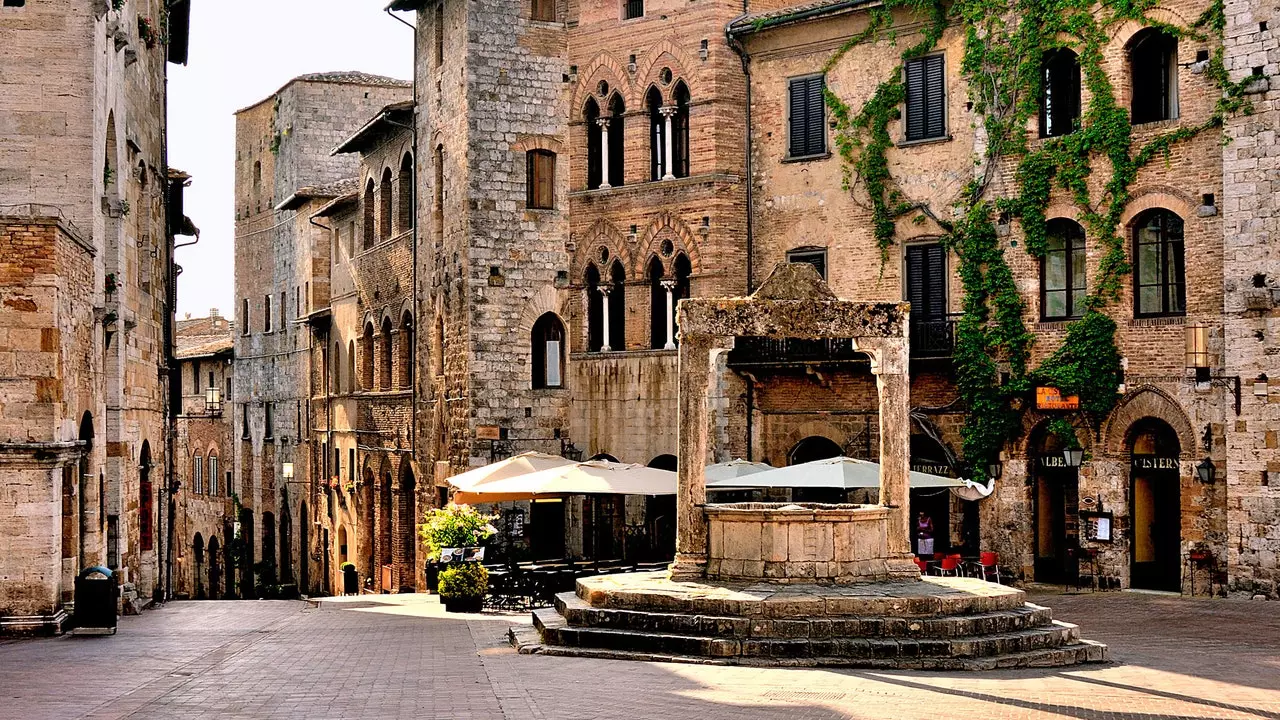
579 613
556 631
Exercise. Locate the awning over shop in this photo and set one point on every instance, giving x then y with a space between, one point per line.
588 478
522 464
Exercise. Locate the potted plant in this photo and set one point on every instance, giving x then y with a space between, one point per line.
452 526
462 586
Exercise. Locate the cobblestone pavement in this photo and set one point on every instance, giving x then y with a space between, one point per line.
402 657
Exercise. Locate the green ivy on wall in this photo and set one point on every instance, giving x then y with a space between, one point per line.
1004 43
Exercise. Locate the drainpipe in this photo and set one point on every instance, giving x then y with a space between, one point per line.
746 74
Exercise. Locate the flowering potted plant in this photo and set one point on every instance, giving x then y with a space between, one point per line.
453 526
147 32
462 586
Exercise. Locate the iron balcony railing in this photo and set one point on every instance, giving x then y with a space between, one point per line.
793 351
933 337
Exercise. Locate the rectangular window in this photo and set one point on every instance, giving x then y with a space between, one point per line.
351 464
244 421
197 475
195 377
931 333
552 360
337 463
228 481
541 177
283 312
926 98
544 10
817 257
113 541
213 475
14 3
211 382
1062 283
268 429
324 460
632 9
244 317
439 34
806 120
266 313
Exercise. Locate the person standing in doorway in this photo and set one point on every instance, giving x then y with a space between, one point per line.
924 535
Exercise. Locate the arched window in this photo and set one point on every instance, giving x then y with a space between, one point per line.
257 177
617 339
548 349
146 508
595 309
683 271
1062 271
657 305
384 372
616 149
335 366
437 199
353 381
366 358
680 132
367 241
406 350
1059 93
404 185
197 475
213 484
595 148
657 135
385 205
1158 268
1153 76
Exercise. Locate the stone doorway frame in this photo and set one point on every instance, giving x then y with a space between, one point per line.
793 302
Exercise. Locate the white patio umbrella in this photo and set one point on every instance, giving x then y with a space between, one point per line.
735 468
522 464
838 472
588 478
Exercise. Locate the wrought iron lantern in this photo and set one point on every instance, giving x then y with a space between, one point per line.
1206 471
213 399
1073 457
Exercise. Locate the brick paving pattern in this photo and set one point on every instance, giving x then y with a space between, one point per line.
402 657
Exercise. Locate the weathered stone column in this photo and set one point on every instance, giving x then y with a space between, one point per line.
670 286
691 443
668 112
890 369
604 319
604 152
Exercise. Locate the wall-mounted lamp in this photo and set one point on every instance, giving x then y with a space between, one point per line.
1198 350
1205 471
994 470
213 399
1260 385
287 470
1073 457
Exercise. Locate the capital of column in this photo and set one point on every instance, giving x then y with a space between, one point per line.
668 285
603 122
605 290
668 110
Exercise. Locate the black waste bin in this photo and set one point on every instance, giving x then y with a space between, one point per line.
96 597
350 580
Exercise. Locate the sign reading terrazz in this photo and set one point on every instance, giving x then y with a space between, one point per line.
1050 398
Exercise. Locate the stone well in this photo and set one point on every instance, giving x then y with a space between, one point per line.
800 542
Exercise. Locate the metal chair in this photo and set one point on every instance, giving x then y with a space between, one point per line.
989 566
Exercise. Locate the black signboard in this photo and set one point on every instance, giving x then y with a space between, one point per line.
1154 462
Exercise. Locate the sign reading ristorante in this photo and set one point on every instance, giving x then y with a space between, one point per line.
1050 398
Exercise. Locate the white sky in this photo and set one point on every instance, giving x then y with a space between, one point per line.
241 52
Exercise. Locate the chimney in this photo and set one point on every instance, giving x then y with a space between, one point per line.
213 313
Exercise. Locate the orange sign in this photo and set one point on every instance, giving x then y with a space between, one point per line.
488 432
1050 398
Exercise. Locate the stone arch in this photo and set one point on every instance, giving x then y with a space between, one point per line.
811 428
601 67
668 226
602 234
1143 402
1122 32
1154 197
653 60
545 300
525 143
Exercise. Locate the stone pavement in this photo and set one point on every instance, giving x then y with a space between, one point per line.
403 657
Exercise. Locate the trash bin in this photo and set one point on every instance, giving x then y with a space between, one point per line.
96 598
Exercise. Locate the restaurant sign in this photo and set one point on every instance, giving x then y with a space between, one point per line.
1054 461
488 432
1153 462
933 468
1051 398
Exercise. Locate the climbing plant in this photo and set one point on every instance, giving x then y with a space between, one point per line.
1004 42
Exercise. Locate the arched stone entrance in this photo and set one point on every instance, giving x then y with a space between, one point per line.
1155 509
928 456
215 568
815 447
197 558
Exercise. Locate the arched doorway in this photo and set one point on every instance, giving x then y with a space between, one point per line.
229 558
197 557
603 456
385 537
146 507
928 456
815 447
73 532
664 462
304 551
1155 511
1055 509
215 568
406 513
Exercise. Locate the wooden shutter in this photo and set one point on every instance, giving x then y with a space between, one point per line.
926 98
544 10
540 180
807 114
926 281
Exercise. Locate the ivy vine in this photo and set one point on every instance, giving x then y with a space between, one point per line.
1004 43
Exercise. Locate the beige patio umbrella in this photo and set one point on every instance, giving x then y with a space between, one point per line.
522 464
735 468
594 477
838 472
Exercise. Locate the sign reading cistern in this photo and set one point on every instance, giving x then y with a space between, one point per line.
1051 398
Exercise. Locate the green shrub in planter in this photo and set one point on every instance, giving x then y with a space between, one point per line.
454 526
462 586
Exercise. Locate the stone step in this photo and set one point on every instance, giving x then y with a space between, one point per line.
579 613
1077 653
557 631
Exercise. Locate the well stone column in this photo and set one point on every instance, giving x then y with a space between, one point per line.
691 443
890 368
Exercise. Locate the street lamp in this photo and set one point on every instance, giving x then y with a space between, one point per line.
1073 457
1206 471
1260 386
213 399
994 469
287 470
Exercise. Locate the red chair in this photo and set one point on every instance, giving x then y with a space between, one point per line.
989 564
949 566
938 556
923 565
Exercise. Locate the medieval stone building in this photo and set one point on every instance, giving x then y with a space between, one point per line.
88 210
284 173
204 521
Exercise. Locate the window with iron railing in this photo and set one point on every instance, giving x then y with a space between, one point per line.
632 9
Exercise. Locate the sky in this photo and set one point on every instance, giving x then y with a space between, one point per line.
241 52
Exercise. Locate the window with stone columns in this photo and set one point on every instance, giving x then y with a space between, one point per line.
606 152
385 205
665 290
197 475
547 349
595 143
367 241
384 374
594 299
404 196
658 168
213 488
680 131
616 327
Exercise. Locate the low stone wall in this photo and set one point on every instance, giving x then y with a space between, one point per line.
801 542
